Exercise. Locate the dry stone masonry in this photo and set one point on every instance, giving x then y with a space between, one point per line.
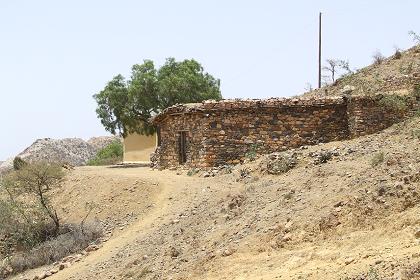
226 132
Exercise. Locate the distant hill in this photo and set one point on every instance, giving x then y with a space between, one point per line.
395 74
74 151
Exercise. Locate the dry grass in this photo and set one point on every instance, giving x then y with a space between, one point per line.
71 240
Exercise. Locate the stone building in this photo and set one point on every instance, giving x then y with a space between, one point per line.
214 133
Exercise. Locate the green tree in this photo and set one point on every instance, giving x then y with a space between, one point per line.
112 104
126 106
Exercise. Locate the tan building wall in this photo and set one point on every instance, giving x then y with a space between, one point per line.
137 147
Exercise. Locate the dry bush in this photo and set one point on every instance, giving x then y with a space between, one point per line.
415 37
23 225
394 102
377 159
31 233
71 240
26 214
31 183
278 163
397 54
18 163
378 58
244 172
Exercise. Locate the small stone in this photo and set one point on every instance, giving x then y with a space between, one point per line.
348 261
417 234
174 252
347 89
288 226
287 237
92 248
339 204
41 276
227 252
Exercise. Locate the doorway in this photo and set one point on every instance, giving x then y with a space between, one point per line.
182 147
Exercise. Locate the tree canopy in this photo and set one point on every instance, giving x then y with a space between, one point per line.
126 106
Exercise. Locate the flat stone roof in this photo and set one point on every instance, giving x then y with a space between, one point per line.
238 104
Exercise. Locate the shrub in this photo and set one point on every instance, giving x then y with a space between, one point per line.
324 156
416 133
244 172
280 165
397 54
377 159
111 154
415 37
394 102
416 92
378 57
192 172
31 234
27 214
23 226
71 240
251 154
18 163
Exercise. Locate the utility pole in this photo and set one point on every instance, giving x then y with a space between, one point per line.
319 52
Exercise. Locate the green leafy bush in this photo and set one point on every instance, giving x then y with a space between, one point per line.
111 154
192 172
251 154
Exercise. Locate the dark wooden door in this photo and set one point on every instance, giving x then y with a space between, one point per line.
182 147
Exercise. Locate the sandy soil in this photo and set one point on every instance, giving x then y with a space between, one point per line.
343 219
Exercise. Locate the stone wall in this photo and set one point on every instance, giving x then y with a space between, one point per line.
224 132
370 114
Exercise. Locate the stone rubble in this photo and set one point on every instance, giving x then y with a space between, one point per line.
71 151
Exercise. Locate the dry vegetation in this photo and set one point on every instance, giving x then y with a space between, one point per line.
32 233
342 210
394 74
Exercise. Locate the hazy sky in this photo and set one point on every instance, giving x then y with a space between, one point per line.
54 55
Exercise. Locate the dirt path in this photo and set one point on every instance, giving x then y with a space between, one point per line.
343 219
170 187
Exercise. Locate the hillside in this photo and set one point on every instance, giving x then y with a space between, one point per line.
74 151
396 74
342 212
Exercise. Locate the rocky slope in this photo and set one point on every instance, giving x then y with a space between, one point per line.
74 151
342 210
395 74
